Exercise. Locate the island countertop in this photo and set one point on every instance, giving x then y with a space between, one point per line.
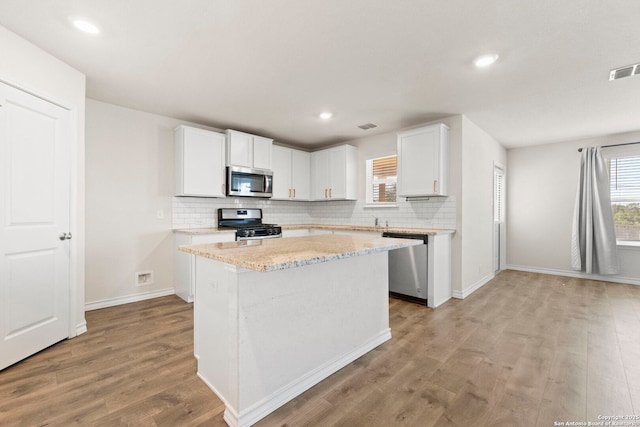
279 254
330 227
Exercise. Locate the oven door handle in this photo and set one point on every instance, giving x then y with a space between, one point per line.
273 236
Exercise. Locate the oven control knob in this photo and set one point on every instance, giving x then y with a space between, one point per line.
252 233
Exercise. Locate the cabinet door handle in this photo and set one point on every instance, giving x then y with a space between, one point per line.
289 193
330 196
435 183
294 193
325 193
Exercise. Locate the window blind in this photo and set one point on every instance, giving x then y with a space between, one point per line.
624 173
382 179
498 188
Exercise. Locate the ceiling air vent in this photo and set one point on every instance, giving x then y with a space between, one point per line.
367 126
626 71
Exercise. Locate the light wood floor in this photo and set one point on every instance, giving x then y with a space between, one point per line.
524 350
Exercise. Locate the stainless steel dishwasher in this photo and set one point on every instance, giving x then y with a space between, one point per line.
408 269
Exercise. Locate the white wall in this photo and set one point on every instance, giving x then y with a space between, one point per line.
31 69
129 179
479 154
541 188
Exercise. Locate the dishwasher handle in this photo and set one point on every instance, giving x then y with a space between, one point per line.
423 237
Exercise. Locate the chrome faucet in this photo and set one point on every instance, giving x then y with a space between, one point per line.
376 221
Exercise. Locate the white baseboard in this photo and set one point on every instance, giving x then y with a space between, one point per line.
577 274
272 402
81 328
474 287
95 305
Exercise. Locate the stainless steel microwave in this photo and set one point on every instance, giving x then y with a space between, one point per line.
248 182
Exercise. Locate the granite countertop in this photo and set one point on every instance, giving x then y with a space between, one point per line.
279 254
334 227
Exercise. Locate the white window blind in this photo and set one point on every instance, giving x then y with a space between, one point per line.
624 181
498 191
624 173
382 178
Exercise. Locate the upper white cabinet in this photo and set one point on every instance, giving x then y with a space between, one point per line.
334 173
423 161
291 174
246 150
199 162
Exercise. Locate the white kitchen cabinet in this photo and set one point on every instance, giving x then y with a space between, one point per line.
296 233
334 173
249 151
423 161
199 162
185 263
291 174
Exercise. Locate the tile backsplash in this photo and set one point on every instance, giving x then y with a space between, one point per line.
437 212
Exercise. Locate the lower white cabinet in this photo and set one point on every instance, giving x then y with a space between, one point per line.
185 263
296 233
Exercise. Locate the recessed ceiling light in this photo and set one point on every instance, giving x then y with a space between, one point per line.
84 25
485 60
326 115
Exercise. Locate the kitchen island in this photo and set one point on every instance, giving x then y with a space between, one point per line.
274 317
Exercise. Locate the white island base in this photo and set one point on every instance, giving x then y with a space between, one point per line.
262 338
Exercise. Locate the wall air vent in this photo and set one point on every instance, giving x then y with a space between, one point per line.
626 71
367 126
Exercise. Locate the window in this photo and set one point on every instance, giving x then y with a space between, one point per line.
381 180
624 179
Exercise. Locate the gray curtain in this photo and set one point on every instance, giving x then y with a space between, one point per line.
593 246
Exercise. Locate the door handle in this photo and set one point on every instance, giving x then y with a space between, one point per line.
65 236
294 193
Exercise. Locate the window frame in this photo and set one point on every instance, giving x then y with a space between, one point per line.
369 202
610 153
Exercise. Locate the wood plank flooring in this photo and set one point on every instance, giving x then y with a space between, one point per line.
524 350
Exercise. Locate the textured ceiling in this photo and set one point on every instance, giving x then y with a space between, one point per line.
270 67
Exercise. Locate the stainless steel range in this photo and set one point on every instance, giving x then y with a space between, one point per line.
247 223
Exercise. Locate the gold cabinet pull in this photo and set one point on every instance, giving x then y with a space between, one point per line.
325 193
330 196
435 183
294 193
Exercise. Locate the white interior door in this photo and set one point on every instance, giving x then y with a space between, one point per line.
498 217
34 212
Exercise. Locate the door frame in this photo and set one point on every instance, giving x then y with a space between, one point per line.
76 215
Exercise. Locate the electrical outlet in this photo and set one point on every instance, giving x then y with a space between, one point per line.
144 278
